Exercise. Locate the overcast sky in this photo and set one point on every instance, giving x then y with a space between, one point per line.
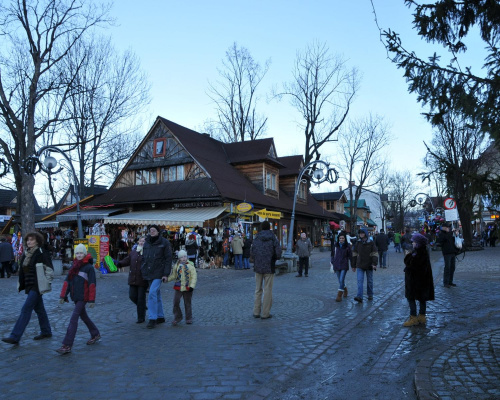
181 45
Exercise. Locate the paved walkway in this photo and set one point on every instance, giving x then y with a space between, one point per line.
312 348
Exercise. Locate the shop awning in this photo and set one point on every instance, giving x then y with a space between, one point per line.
184 216
88 215
334 225
46 224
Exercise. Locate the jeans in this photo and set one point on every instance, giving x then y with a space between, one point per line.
238 261
155 306
264 304
34 302
178 295
138 296
369 282
341 277
79 312
397 246
226 259
382 258
413 307
449 268
304 264
246 263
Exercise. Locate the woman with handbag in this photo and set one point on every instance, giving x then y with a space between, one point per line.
35 274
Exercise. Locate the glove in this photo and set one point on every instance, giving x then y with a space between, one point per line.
61 301
91 305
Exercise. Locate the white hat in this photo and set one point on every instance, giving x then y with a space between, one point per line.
81 249
182 253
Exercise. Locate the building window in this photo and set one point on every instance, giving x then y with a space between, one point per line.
159 147
174 173
302 191
270 181
145 177
330 205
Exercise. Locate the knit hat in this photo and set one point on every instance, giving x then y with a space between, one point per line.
155 226
419 239
81 249
182 253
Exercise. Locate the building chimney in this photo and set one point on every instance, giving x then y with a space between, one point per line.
340 188
351 183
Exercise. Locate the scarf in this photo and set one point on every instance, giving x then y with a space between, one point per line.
27 257
77 264
139 249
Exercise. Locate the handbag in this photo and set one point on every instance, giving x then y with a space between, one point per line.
44 275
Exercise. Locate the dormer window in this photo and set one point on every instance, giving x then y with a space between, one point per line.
270 181
302 191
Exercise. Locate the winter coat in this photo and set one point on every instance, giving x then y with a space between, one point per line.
447 242
364 255
134 261
303 248
419 284
341 256
6 252
247 244
406 241
382 242
397 238
265 250
191 247
237 245
184 280
156 258
83 286
28 280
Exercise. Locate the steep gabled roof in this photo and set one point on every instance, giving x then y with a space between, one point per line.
252 151
361 204
8 198
293 165
329 196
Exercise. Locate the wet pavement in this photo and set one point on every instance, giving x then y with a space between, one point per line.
312 348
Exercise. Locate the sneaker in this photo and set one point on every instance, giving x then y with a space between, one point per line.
306 275
256 316
151 324
43 336
453 284
269 316
447 286
160 320
189 321
298 276
174 322
10 340
358 299
139 321
64 349
94 340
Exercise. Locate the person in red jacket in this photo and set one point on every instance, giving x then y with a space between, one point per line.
137 284
80 284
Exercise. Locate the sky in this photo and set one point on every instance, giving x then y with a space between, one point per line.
181 45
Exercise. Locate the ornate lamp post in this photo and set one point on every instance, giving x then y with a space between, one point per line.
319 171
33 165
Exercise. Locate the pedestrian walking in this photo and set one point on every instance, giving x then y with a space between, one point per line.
35 274
303 250
6 258
341 254
137 284
192 248
382 243
406 242
419 284
226 252
156 267
185 277
397 242
237 246
364 261
247 244
446 240
80 284
265 251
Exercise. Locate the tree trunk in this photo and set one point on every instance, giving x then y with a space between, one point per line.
28 204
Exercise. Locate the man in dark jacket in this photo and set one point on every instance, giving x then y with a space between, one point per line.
364 260
382 243
265 250
156 267
446 240
6 257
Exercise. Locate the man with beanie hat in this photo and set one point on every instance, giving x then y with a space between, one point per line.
156 267
265 250
364 260
382 243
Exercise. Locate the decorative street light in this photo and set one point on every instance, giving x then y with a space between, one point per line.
319 172
33 165
420 199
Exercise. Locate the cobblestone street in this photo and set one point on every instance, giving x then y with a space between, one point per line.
312 348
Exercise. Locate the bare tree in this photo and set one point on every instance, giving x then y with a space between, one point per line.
401 192
110 92
235 97
322 90
36 37
360 148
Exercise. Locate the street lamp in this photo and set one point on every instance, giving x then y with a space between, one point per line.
319 171
32 166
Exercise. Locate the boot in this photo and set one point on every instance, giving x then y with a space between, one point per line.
412 321
339 296
421 318
345 291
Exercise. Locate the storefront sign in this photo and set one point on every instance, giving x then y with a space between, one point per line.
94 249
103 247
244 207
268 214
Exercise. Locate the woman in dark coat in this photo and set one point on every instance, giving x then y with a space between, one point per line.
341 254
28 281
247 244
137 285
419 284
